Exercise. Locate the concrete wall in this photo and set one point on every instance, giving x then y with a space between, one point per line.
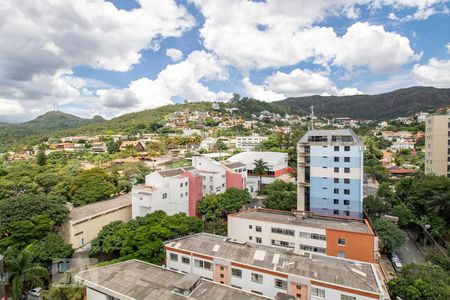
436 144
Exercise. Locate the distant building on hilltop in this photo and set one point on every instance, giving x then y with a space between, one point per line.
248 143
330 173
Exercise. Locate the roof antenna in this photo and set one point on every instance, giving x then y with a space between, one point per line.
312 117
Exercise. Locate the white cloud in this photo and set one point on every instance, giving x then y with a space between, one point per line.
289 36
448 48
349 92
174 54
40 48
392 16
177 80
10 107
297 83
435 73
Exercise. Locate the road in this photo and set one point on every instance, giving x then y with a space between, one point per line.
409 253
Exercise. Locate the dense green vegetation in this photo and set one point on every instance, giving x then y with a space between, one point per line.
421 282
403 102
218 206
143 237
280 195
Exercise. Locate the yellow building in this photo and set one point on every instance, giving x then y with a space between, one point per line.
84 223
437 149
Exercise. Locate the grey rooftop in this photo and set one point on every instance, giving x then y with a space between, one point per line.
311 220
138 280
336 271
329 134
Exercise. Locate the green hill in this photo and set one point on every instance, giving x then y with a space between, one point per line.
43 126
57 124
394 104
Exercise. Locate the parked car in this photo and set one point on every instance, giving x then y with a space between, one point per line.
35 292
396 262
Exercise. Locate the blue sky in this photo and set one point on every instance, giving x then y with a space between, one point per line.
113 57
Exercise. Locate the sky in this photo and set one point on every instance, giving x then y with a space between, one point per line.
108 58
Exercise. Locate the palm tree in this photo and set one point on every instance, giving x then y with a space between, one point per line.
259 169
23 272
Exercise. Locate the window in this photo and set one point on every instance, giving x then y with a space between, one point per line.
336 201
181 184
281 284
341 254
336 191
336 170
336 180
318 293
312 248
173 257
346 170
346 159
164 196
283 244
283 231
346 213
185 260
341 241
181 195
346 180
336 212
336 148
345 297
221 276
346 192
299 287
222 268
236 273
250 238
258 228
336 159
186 193
250 227
346 202
258 240
258 278
202 264
313 236
347 148
185 184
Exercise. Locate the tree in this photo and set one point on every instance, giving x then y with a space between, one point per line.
28 206
214 206
421 282
143 237
391 236
41 158
91 186
50 248
280 195
63 292
260 169
220 146
375 207
23 272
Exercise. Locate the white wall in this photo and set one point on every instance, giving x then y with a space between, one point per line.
94 295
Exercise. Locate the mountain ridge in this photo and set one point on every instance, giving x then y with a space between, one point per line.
397 103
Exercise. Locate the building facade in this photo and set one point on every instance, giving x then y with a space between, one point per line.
330 173
437 153
268 271
248 143
277 164
84 223
305 233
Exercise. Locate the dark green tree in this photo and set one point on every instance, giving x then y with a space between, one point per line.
280 195
91 186
41 158
50 248
391 236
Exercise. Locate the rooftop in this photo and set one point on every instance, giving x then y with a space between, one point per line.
288 217
248 157
331 270
85 212
329 134
139 280
233 165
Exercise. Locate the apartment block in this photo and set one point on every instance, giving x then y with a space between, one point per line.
248 143
138 280
330 173
437 141
269 271
277 164
305 233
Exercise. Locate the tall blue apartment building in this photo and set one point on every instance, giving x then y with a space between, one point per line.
330 173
